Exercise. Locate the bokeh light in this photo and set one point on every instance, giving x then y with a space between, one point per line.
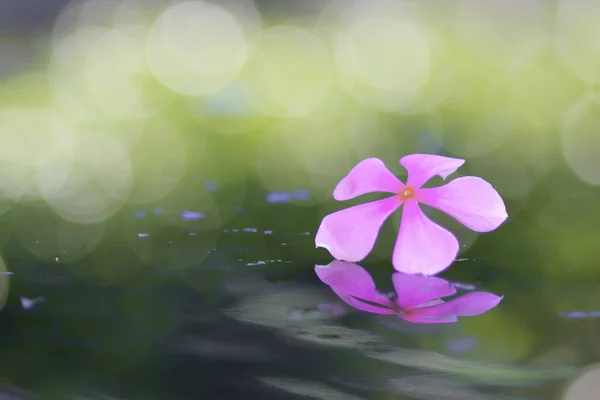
382 56
158 161
290 72
586 386
99 183
578 41
581 140
99 73
54 239
182 53
36 151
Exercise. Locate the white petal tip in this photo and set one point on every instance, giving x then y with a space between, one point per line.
322 245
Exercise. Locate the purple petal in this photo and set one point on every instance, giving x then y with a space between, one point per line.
422 167
350 234
470 304
415 290
441 319
347 278
430 303
360 305
370 175
471 200
422 247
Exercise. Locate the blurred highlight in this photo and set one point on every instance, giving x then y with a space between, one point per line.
586 386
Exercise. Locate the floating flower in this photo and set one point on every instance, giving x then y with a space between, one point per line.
422 246
417 297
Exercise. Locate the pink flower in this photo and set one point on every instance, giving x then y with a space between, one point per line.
417 297
422 246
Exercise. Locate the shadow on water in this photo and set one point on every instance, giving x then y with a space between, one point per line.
244 315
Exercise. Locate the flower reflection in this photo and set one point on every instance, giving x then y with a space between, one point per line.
416 299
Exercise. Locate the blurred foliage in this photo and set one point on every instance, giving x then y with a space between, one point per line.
130 104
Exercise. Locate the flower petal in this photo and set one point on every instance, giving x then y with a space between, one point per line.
471 200
347 278
360 305
415 290
423 167
422 247
470 304
370 175
350 234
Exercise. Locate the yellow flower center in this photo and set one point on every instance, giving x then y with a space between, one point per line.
407 193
